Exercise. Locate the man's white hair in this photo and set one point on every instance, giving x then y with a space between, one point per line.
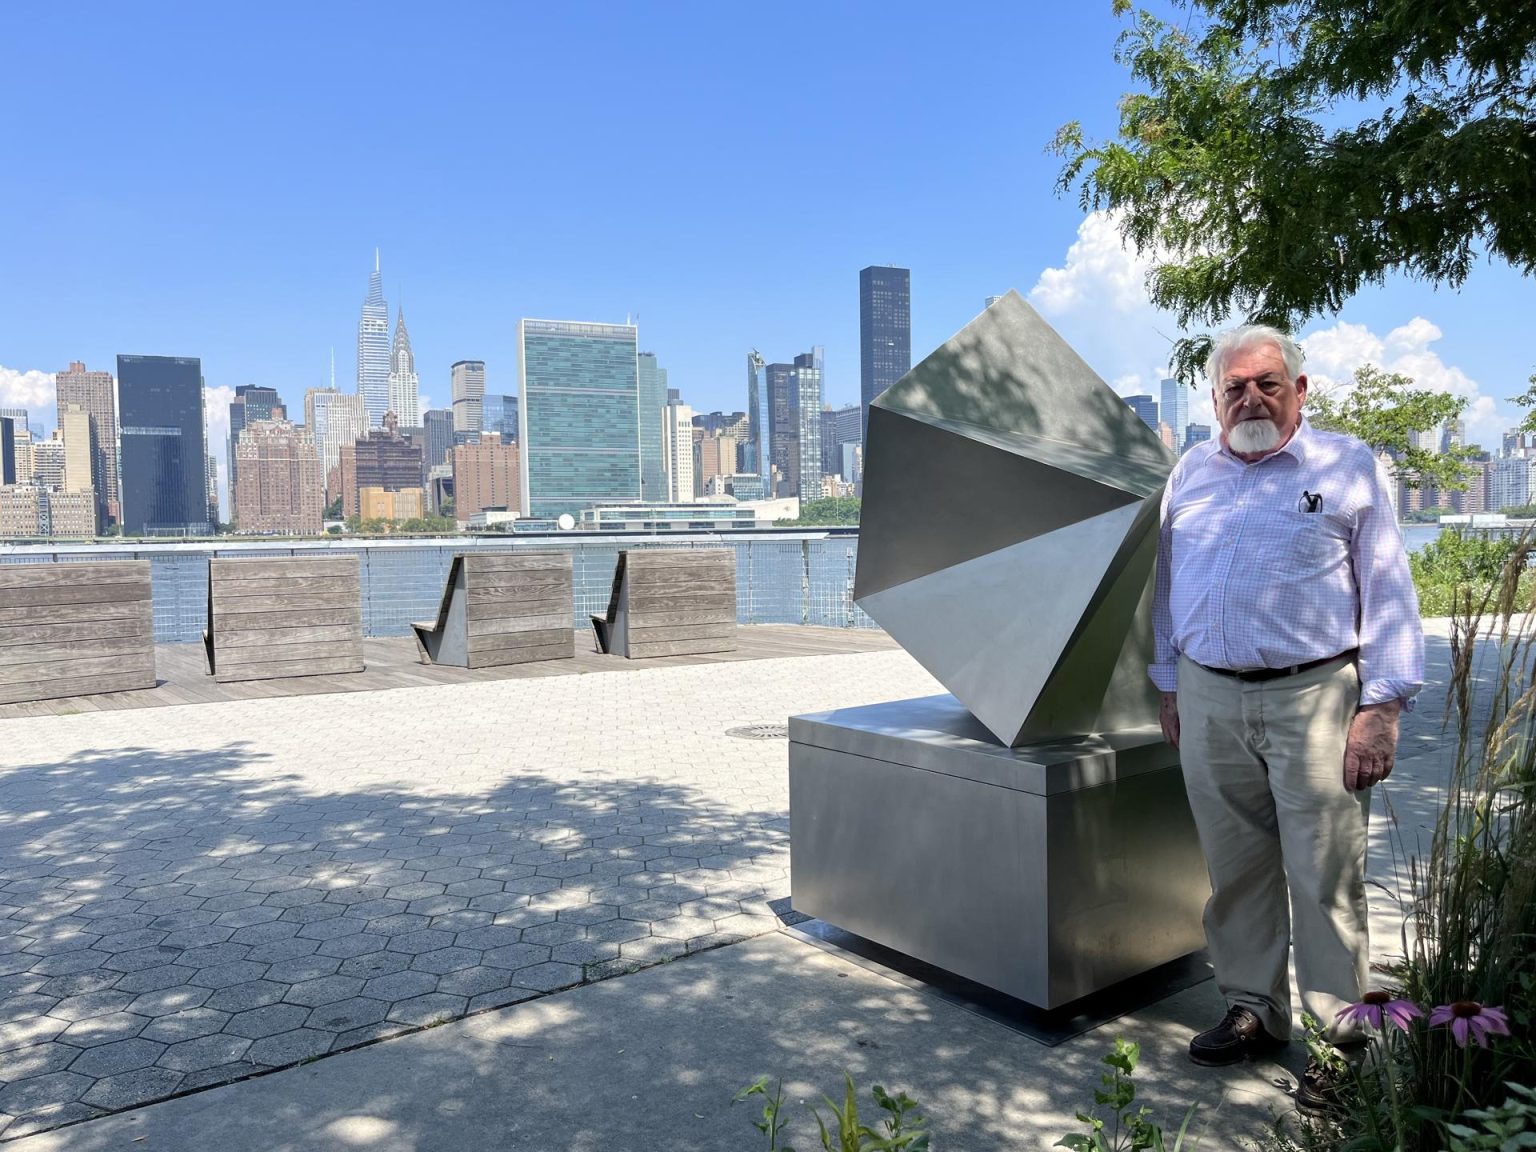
1241 339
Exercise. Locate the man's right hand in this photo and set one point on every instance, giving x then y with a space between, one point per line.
1168 717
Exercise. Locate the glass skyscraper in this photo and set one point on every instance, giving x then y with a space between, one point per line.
885 332
164 458
373 349
794 424
578 415
1175 408
500 415
757 457
1145 407
653 403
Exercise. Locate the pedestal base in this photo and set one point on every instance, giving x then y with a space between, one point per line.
1047 872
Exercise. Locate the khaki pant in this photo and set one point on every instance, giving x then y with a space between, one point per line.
1264 767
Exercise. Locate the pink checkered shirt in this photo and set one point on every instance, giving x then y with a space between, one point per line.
1246 578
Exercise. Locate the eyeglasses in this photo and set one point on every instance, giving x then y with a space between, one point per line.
1234 390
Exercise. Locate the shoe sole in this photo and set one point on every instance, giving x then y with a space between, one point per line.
1241 1056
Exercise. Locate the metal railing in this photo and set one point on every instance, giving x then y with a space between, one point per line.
782 577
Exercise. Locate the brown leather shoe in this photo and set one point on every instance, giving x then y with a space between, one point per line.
1321 1089
1238 1036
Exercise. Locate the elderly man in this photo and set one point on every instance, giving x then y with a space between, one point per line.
1287 641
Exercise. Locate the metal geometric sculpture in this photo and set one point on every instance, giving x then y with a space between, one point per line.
1009 530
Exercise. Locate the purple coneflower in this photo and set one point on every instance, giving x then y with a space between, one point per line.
1378 1009
1470 1020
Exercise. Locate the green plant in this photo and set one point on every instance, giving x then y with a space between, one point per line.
1510 1126
902 1129
1124 1130
1458 572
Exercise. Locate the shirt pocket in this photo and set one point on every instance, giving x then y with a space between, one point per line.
1311 539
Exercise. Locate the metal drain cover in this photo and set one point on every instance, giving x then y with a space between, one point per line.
760 732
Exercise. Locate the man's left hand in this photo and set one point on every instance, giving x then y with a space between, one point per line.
1372 745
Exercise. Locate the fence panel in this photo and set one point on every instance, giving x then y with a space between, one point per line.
787 578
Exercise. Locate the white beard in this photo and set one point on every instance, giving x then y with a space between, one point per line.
1251 436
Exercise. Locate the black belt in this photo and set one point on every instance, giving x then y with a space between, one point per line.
1260 675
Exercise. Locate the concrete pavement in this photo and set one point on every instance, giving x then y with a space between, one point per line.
485 845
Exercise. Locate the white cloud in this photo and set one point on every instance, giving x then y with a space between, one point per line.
216 403
1334 353
32 390
1098 301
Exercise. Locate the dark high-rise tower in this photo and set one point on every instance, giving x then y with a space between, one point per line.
885 332
164 476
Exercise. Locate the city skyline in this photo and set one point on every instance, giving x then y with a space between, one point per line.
258 268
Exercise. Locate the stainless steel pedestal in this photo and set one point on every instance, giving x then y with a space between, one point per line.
1046 872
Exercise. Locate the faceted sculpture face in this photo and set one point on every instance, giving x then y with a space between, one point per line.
1009 530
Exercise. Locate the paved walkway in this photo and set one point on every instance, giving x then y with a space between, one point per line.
191 895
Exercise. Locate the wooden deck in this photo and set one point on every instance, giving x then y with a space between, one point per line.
393 662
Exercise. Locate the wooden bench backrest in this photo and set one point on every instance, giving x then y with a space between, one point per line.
518 607
75 629
269 618
676 601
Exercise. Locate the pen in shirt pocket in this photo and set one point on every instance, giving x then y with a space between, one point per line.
1310 502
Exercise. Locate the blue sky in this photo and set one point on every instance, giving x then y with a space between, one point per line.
212 180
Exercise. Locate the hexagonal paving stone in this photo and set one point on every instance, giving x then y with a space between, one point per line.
345 1015
129 941
269 1020
199 937
130 1088
446 960
249 917
264 933
223 1074
155 979
280 950
302 968
89 1004
211 955
241 997
164 1001
228 975
353 944
493 936
291 1047
551 934
106 1029
400 986
141 958
589 914
433 1008
474 981
547 977
400 924
40 1091
294 897
414 943
38 1060
187 1025
67 963
204 1052
25 1006
120 1056
375 964
514 956
326 989
331 929
76 983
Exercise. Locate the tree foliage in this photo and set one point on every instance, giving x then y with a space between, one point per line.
416 525
1279 155
1386 411
832 511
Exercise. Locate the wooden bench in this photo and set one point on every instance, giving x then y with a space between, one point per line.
502 609
270 618
75 629
669 602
